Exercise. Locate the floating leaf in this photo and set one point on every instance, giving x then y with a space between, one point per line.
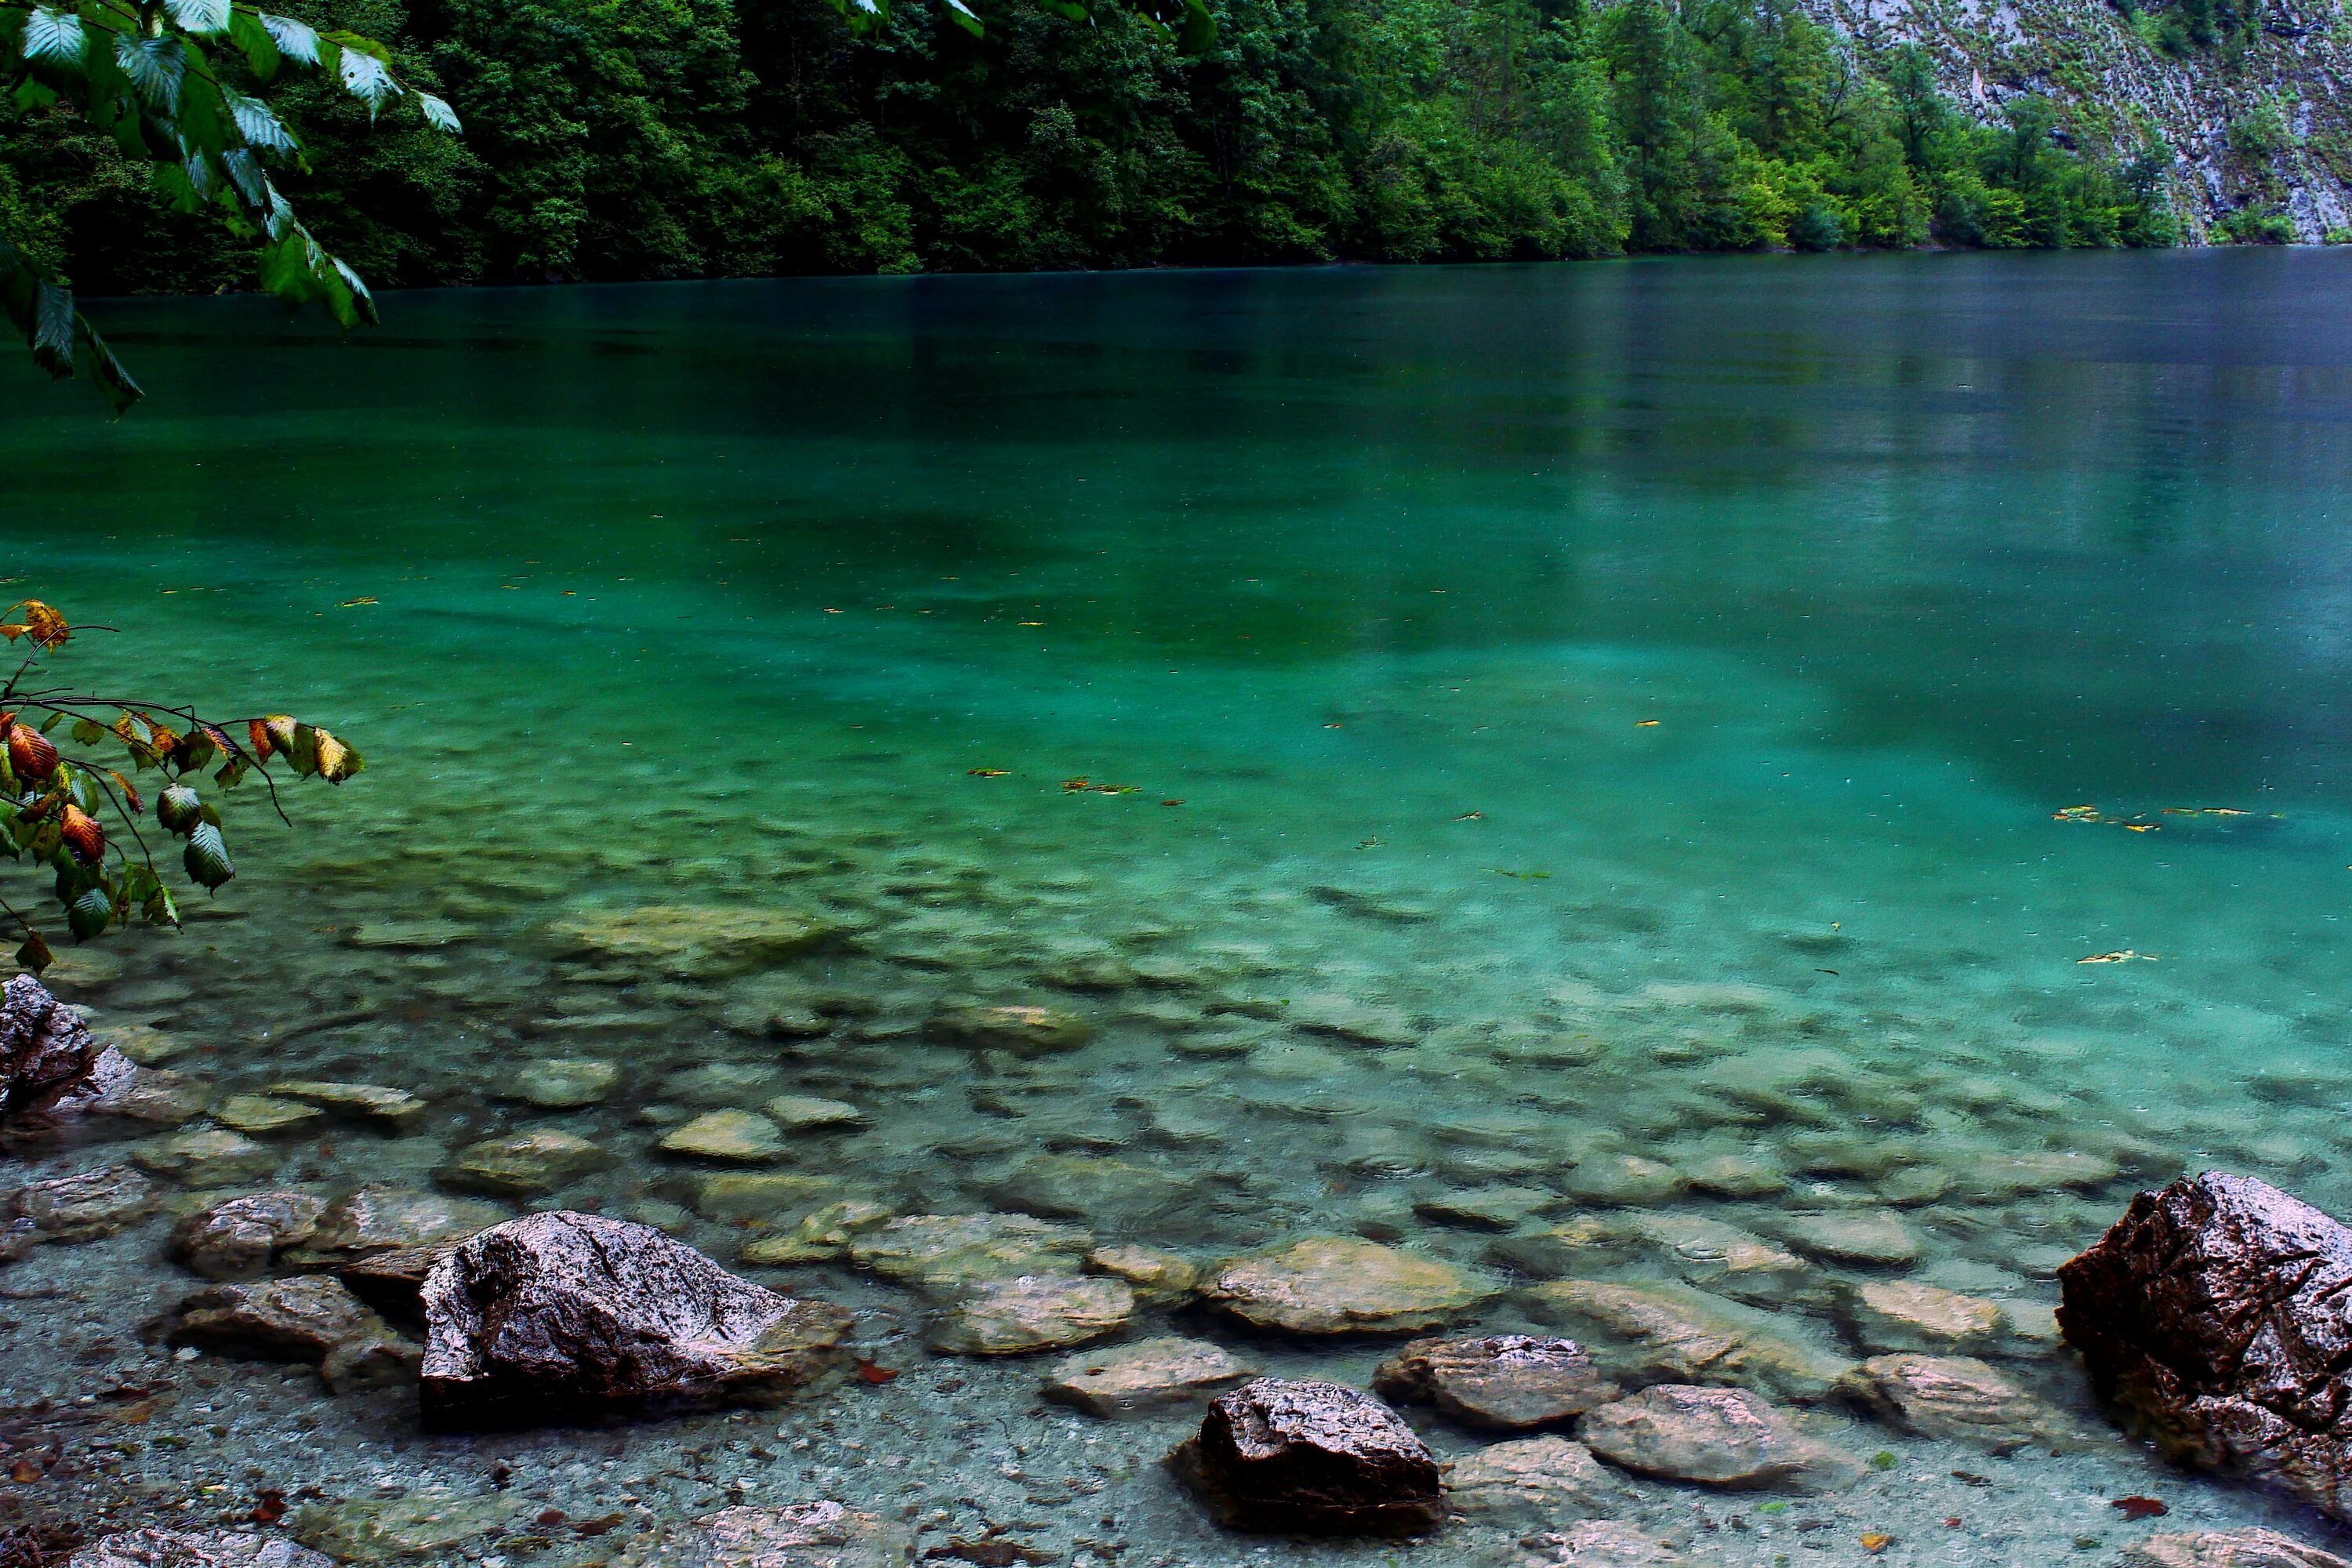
2138 1508
2121 955
207 857
986 773
869 1372
1645 724
1875 1543
355 603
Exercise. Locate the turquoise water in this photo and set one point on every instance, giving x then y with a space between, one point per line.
1628 699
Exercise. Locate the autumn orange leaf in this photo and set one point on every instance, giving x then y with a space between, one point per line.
1876 1544
42 625
130 791
869 1372
84 835
30 753
985 772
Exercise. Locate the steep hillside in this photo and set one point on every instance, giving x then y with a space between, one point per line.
2258 123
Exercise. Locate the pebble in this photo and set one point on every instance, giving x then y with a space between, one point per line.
563 1083
800 1113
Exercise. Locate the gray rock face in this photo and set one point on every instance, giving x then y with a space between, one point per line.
1312 1459
195 1549
1508 1382
1719 1436
237 1239
46 1051
2229 1549
804 1535
1606 1543
2214 1317
562 1316
84 1206
308 1319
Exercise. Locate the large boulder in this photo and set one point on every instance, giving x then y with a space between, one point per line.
197 1548
2215 1319
50 1067
562 1316
1312 1459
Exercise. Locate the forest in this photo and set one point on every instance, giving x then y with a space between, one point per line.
670 139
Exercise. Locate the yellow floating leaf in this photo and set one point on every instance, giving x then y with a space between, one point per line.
985 772
2121 955
1645 724
355 603
1876 1544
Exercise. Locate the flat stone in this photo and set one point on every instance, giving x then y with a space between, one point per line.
1532 1480
1032 1313
562 1083
1507 1381
158 1097
522 1165
1339 1285
394 1108
1912 1315
1090 1187
1311 1459
743 1137
1020 1030
1627 1180
820 1236
142 1043
945 1253
803 1535
392 1280
1735 1177
801 1114
1645 1331
723 1084
1715 1436
306 1318
1723 1259
85 1206
557 1316
379 1217
425 1522
1607 1543
1955 1398
237 1239
1877 1237
1144 1375
728 1196
208 1157
2003 1175
265 1114
2229 1549
195 1549
1357 1023
1488 1208
1159 1278
699 941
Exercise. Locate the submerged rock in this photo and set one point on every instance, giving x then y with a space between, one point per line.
424 1524
393 1108
803 1535
562 1083
741 1136
2229 1549
381 1217
1159 1278
1606 1543
523 1165
1508 1382
1909 1314
1023 1031
82 1207
195 1549
1532 1480
1876 1237
208 1157
1718 1437
1032 1313
1955 1398
945 1253
1312 1459
1664 1332
239 1239
691 942
262 1115
2213 1318
308 1317
804 1113
1144 1375
1342 1285
558 1316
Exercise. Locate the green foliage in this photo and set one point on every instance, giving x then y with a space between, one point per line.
55 804
694 138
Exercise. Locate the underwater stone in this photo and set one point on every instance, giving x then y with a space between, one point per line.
306 1318
1723 1259
1159 1278
820 1236
560 1315
156 1096
1357 1023
692 940
1717 1437
195 1549
563 1083
396 1108
1531 1480
801 1114
1955 1398
424 1523
1509 1382
1871 1237
741 1136
2228 1548
1341 1285
944 1253
208 1157
731 1195
1624 1179
1311 1459
2000 1174
1682 1335
263 1114
1606 1543
1909 1315
522 1165
237 1239
1032 1313
1487 1208
801 1535
1735 1177
1144 1375
722 1083
2211 1317
1022 1031
84 1206
378 1218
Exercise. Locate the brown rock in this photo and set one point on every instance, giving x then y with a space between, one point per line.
84 1206
1671 1333
1509 1382
2213 1318
1908 1314
1312 1459
1158 1276
238 1238
2229 1549
195 1549
308 1317
562 1315
1718 1437
1607 1543
1957 1398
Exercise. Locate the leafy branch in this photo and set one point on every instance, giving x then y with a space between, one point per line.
53 808
150 74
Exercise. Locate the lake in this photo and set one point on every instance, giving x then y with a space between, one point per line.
1852 751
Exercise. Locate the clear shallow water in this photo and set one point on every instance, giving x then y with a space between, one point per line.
1636 695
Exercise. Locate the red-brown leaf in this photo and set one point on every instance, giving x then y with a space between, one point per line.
84 834
2140 1506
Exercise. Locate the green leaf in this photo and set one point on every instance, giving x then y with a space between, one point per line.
96 361
156 67
207 857
202 17
367 79
965 17
88 731
54 35
51 722
441 117
253 39
257 123
90 913
1198 34
32 97
33 953
177 808
295 40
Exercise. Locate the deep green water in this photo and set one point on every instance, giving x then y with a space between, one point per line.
1650 684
